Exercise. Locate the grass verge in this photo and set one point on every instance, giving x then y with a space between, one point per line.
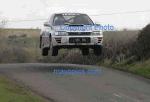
11 92
141 68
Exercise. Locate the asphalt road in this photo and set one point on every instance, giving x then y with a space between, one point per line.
107 86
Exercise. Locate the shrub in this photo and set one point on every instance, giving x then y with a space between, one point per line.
142 45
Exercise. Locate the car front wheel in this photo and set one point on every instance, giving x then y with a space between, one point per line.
54 51
98 51
45 51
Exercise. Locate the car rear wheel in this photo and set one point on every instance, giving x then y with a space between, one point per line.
40 46
85 51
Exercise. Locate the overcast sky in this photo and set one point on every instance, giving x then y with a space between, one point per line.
41 9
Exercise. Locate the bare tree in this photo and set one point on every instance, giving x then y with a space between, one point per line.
3 22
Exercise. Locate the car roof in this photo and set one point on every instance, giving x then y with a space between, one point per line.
69 13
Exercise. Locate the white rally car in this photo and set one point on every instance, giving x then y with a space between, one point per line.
54 36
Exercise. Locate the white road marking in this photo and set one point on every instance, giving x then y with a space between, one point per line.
117 95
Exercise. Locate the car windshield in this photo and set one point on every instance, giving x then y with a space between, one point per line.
72 19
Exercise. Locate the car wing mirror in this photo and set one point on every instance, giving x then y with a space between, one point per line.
47 24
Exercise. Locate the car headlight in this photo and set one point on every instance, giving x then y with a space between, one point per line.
61 33
97 33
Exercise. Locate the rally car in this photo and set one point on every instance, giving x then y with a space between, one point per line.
66 30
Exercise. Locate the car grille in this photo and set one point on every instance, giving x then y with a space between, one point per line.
79 33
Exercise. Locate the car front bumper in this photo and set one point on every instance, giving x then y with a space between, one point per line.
64 41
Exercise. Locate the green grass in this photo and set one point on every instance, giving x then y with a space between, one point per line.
11 92
141 68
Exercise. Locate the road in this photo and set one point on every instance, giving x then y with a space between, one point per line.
108 86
